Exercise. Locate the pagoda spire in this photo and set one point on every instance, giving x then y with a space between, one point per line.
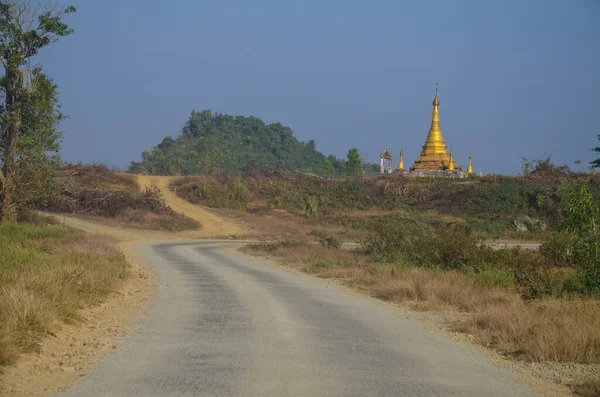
470 167
435 154
401 163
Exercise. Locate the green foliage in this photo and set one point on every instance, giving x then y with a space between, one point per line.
526 166
502 196
450 247
37 164
556 248
29 111
540 282
354 165
581 223
552 202
310 207
208 139
401 241
596 163
236 194
328 170
326 240
582 213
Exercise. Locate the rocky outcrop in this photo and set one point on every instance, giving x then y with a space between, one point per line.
528 224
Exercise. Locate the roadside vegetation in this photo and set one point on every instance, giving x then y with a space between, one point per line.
492 207
533 305
47 274
98 193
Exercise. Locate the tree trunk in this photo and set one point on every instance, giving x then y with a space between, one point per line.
13 86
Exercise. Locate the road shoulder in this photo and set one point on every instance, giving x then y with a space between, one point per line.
66 355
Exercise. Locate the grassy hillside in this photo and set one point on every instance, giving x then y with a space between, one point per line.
231 143
98 193
488 206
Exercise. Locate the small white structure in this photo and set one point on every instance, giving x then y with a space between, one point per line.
386 155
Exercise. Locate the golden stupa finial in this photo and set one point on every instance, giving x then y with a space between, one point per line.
401 164
470 167
451 165
436 100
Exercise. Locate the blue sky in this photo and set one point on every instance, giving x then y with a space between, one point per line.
518 78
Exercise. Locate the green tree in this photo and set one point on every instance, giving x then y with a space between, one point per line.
354 165
24 30
526 165
211 162
37 163
581 222
328 170
596 163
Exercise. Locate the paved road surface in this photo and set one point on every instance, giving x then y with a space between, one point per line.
227 325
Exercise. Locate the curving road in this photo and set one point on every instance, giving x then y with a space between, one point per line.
225 324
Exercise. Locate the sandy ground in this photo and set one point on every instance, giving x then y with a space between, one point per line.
212 225
76 347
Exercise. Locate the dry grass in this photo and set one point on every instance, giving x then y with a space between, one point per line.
557 330
547 330
588 389
143 220
114 198
47 274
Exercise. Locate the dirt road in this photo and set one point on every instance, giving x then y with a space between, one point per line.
211 224
225 324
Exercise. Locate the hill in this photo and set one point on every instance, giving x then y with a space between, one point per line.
232 143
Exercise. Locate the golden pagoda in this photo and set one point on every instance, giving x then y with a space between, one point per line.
470 167
435 155
401 164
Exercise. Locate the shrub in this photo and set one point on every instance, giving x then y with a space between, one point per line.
310 207
581 222
556 248
326 240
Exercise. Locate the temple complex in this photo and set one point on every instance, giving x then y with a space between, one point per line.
435 155
435 160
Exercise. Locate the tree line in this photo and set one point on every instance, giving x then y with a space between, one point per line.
211 142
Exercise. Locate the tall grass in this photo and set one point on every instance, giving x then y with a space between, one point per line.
48 273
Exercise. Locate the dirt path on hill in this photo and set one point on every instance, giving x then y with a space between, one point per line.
212 225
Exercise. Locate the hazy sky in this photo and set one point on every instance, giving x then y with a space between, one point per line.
518 78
